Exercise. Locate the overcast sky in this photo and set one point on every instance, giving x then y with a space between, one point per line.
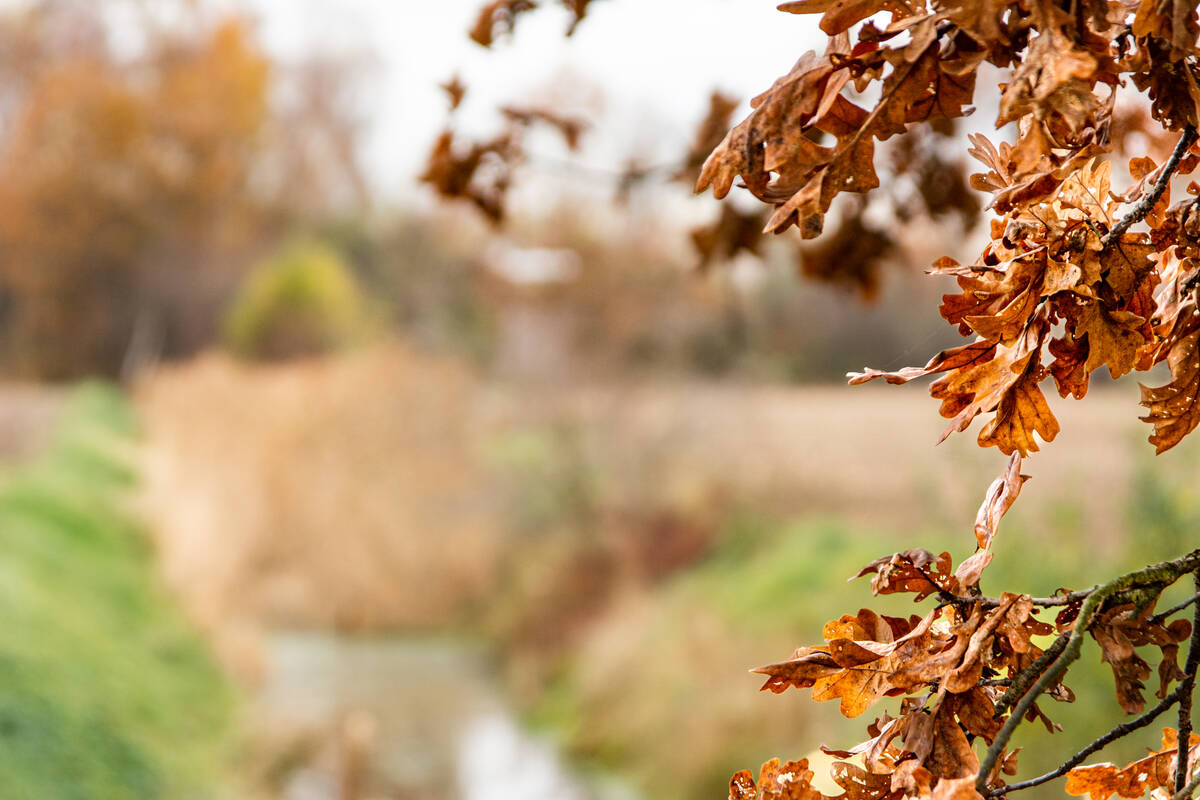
642 69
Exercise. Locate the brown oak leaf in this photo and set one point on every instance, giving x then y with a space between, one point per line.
979 351
918 571
1114 337
1120 631
1157 770
1022 412
790 781
1174 409
497 18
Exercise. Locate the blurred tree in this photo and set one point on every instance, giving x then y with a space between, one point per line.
135 190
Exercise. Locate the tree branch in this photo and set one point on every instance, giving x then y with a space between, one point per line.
1158 575
1186 687
1162 615
1122 730
995 602
1186 792
1022 682
1143 206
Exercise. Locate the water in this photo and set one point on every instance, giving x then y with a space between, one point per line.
387 717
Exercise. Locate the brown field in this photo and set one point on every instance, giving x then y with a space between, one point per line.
380 490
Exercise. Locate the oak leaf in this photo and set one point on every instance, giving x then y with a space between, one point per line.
1022 412
999 498
497 18
1173 21
731 233
1157 770
790 781
1174 409
1054 78
861 662
1119 631
979 351
967 392
1069 366
840 15
918 571
1114 337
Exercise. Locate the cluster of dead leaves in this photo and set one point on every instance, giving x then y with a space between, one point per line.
852 252
1055 297
851 257
1062 289
1120 631
1155 771
1065 286
481 171
952 669
806 141
499 17
943 665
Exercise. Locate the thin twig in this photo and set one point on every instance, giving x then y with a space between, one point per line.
1186 792
1186 686
1158 575
1124 729
996 602
1143 206
1158 618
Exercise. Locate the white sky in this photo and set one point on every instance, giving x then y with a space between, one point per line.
655 62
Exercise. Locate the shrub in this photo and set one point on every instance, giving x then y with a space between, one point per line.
300 301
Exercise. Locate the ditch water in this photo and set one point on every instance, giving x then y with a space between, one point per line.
406 717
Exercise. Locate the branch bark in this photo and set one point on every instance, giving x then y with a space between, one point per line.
1186 687
1022 682
1157 576
1143 206
1162 615
1187 791
1120 731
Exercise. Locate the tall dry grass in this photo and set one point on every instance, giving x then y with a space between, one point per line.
392 489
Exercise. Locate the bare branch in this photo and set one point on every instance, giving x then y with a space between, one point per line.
1158 618
1023 681
996 602
1186 792
1143 206
1157 576
1186 687
1122 730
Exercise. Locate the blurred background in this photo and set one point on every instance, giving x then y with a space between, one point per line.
317 485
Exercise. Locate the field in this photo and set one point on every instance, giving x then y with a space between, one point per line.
628 550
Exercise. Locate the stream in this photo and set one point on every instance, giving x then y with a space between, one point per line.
418 718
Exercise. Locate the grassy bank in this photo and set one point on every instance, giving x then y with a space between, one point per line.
658 692
105 692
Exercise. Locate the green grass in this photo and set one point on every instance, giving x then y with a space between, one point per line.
676 713
105 692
